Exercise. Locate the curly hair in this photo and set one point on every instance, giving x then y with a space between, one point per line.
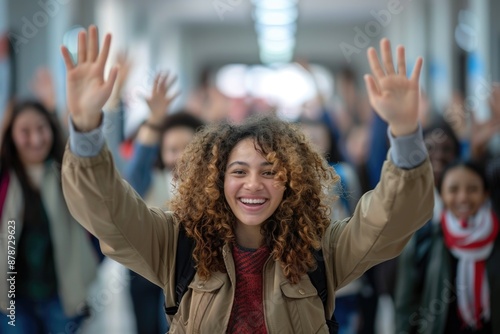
294 229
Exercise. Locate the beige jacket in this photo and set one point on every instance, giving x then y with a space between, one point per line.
145 240
74 257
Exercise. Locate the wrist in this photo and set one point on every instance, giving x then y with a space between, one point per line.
86 124
403 130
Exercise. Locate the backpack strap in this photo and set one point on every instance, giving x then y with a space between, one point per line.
318 279
184 268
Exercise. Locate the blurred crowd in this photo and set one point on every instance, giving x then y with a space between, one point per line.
428 289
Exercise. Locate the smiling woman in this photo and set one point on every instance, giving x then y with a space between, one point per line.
254 200
260 176
55 261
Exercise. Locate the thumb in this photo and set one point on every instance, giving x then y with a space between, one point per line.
372 89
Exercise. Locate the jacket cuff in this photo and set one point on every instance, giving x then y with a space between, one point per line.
408 152
86 144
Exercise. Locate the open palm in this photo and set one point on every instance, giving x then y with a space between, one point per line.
394 96
161 97
86 89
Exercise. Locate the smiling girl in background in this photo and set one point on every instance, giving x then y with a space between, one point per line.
55 259
461 287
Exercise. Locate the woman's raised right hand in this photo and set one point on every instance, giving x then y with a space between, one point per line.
86 89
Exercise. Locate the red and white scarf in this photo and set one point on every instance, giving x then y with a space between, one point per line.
471 242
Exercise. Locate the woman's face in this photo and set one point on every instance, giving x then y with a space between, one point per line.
249 185
174 142
462 192
32 136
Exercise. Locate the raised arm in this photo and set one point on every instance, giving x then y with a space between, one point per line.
138 171
128 231
483 133
402 201
159 102
114 112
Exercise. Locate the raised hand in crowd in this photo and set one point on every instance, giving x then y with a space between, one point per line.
86 88
393 96
124 65
159 102
42 85
482 133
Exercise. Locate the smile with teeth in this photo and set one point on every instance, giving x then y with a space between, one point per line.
253 201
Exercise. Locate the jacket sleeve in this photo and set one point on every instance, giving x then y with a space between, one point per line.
141 238
382 224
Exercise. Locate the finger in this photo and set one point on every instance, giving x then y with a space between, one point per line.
416 70
68 61
156 82
401 60
93 45
372 88
174 96
385 49
172 82
374 62
103 56
113 74
162 85
82 47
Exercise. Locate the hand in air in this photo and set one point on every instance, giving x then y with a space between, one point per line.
394 96
86 89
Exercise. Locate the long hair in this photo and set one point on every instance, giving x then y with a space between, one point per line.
9 156
294 229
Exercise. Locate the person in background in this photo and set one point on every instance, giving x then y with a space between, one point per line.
54 257
159 144
444 148
462 274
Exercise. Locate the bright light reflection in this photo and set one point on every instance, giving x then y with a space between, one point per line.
230 80
274 4
276 32
276 17
288 86
276 46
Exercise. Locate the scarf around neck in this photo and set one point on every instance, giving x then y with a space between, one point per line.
471 242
